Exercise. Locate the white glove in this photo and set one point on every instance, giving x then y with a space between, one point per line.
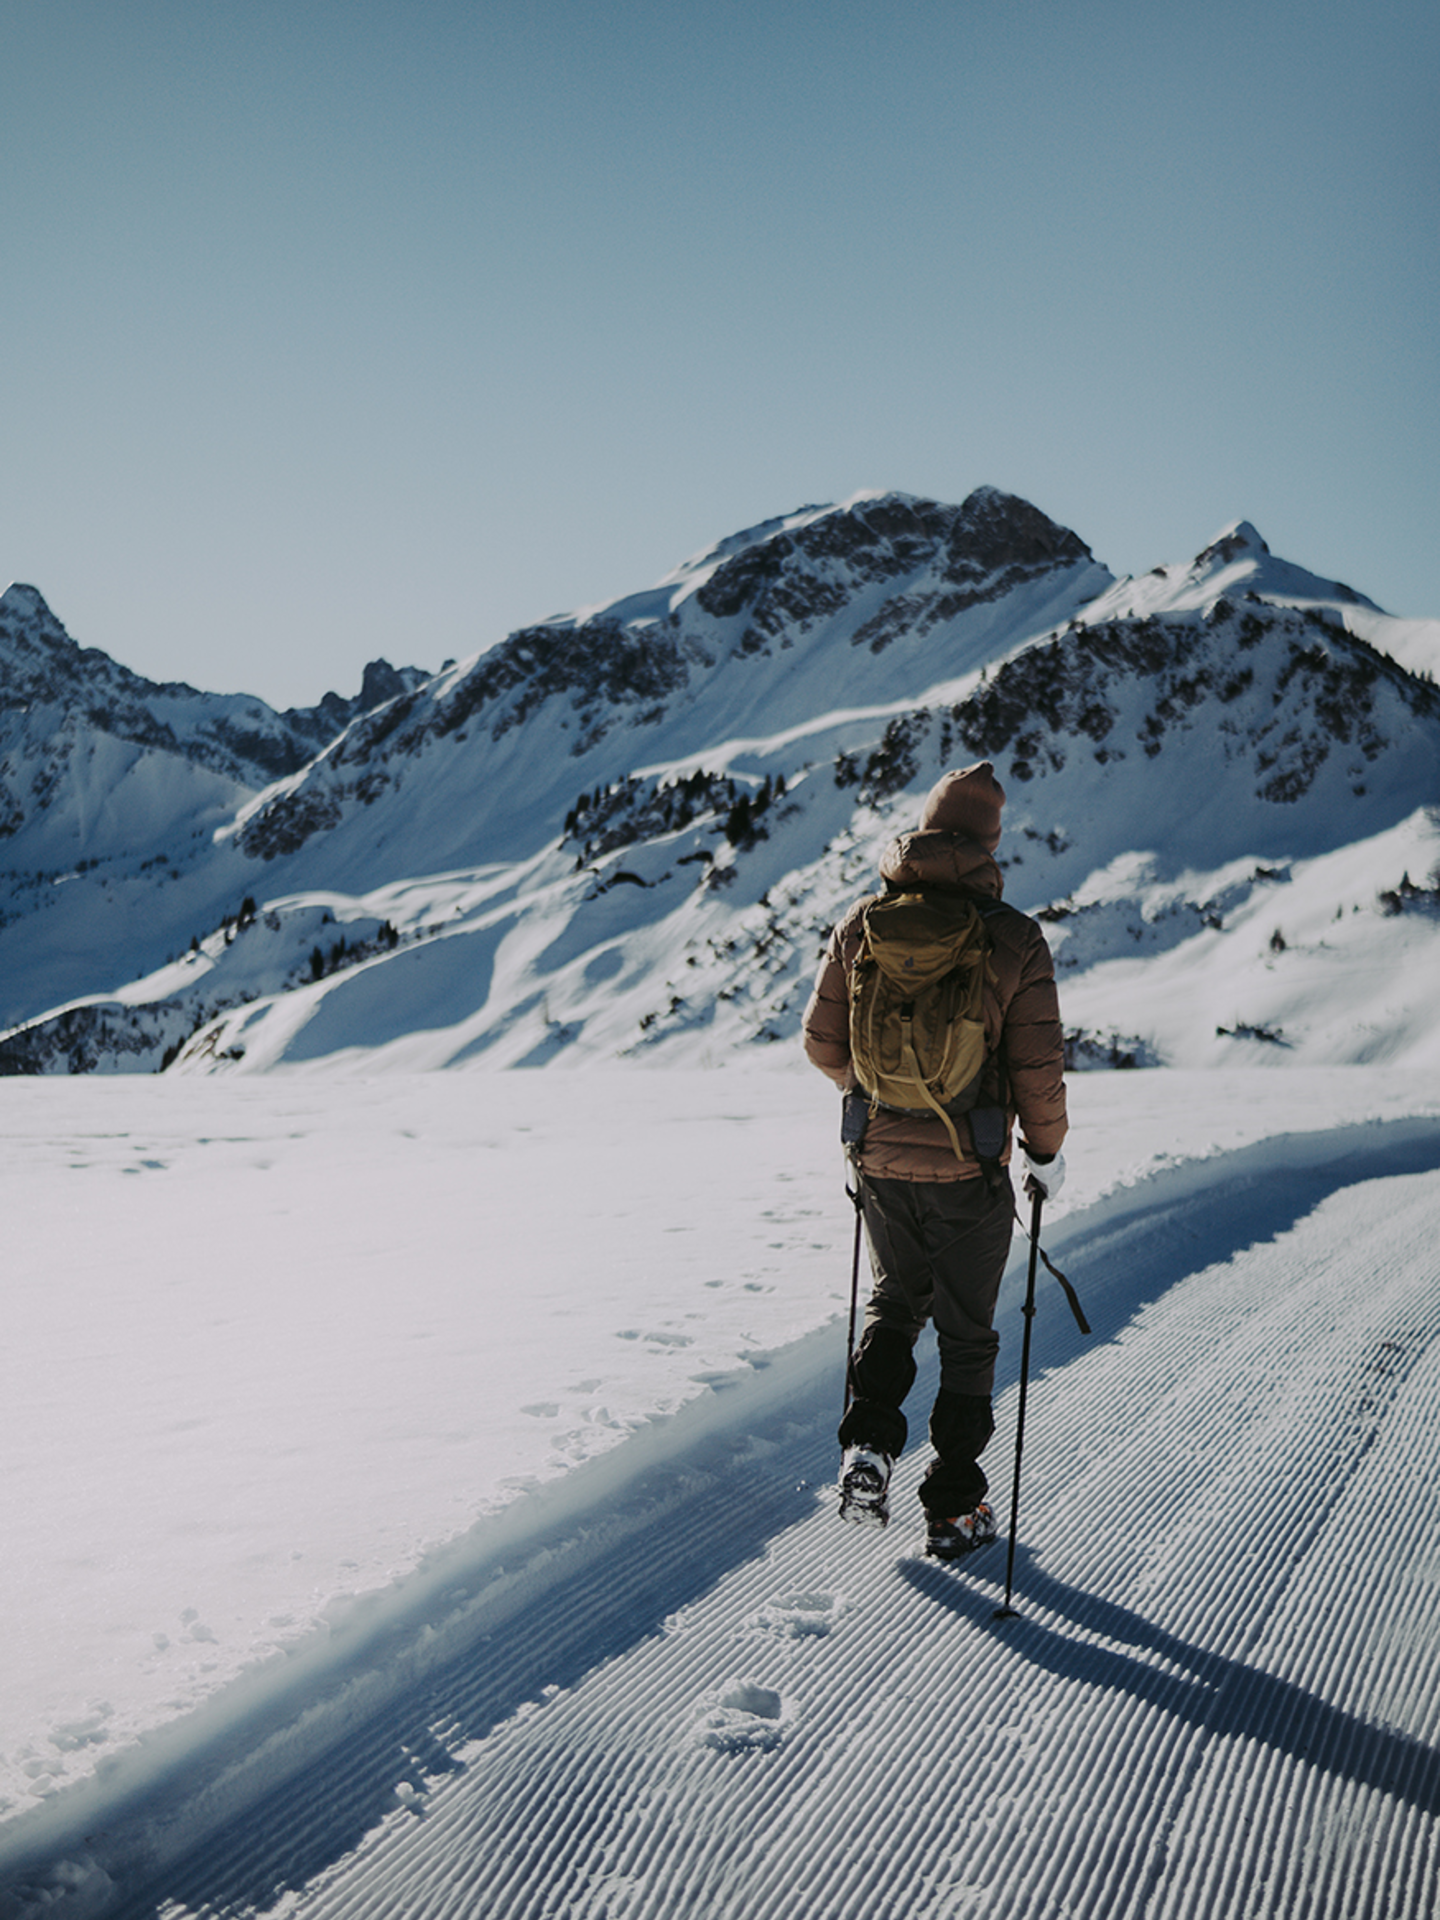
1046 1179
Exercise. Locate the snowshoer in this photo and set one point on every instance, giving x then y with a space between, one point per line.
933 1186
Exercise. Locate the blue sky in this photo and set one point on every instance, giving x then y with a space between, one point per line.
338 328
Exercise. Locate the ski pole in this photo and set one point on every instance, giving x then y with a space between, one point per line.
853 1194
1007 1612
854 1118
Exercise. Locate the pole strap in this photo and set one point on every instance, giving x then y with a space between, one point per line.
1032 1234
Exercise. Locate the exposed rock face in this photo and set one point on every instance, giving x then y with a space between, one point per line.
1277 692
783 590
976 552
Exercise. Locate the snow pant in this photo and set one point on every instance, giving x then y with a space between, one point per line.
937 1251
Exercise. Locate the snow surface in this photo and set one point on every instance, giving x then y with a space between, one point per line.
461 1442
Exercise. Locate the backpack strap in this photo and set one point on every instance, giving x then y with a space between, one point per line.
990 1126
917 1078
989 1130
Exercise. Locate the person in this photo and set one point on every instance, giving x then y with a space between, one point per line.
938 1227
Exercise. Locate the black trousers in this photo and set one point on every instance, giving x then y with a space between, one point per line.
937 1252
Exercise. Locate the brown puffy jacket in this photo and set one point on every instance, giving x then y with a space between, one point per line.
1022 1015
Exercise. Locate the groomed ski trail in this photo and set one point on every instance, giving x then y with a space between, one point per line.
1220 1694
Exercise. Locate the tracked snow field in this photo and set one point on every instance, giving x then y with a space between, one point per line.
1219 1694
644 1670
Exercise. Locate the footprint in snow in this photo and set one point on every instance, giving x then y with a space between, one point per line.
799 1616
741 1717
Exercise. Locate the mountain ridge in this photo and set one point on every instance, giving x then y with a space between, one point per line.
40 664
638 819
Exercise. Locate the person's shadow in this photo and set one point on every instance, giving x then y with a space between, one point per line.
1222 1696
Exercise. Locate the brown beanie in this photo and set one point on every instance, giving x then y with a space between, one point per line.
966 803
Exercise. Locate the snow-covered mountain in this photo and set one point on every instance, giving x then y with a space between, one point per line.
61 700
110 783
623 833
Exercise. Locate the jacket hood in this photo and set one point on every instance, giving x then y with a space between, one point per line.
948 861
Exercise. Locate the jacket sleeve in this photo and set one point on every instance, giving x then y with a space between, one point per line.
1035 1049
826 1026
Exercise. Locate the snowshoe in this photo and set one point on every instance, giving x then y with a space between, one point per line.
865 1487
953 1539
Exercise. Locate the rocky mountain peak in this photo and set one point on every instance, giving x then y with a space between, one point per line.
1234 542
381 682
30 638
22 602
1243 557
990 532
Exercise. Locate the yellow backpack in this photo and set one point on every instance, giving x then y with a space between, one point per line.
917 1005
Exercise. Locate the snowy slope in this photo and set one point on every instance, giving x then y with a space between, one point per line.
1238 562
623 834
477 769
111 790
871 601
381 1594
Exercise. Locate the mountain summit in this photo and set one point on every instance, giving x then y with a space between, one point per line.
623 832
1237 562
863 604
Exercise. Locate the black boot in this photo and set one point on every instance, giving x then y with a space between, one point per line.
960 1428
951 1539
882 1372
873 1432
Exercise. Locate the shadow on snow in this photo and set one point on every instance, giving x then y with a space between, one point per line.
1224 1698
